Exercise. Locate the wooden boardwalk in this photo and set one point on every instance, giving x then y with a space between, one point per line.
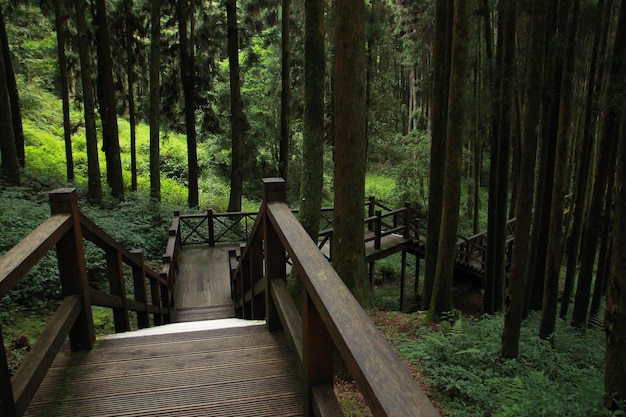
207 368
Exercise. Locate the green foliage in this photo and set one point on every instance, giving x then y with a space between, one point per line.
468 377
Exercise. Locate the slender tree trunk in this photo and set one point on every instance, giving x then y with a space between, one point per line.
609 133
615 317
311 182
561 181
130 69
547 149
350 144
60 20
604 254
237 120
285 96
9 167
188 78
14 98
441 64
514 300
442 290
155 100
108 114
583 168
94 186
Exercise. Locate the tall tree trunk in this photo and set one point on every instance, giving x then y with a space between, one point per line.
108 114
442 290
237 120
285 96
514 300
311 182
350 144
547 149
188 78
155 100
561 181
498 172
9 167
130 70
94 186
583 167
60 21
615 317
14 98
610 131
441 64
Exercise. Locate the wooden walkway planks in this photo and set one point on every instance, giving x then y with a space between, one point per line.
203 277
242 371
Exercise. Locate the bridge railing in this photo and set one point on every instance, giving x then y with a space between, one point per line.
65 230
332 320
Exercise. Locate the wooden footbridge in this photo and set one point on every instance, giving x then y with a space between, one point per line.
279 365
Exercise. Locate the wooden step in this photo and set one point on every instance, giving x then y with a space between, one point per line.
241 371
181 315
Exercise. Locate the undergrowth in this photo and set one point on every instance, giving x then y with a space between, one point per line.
467 376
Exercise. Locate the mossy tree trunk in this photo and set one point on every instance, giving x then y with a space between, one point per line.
94 186
350 145
155 99
442 290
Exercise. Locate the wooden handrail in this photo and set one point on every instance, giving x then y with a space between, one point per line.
66 229
332 319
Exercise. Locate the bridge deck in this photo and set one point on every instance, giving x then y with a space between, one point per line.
239 371
178 370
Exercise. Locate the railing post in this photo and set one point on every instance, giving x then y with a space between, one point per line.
378 229
318 352
155 295
407 220
7 401
72 267
275 258
115 274
371 208
139 281
211 226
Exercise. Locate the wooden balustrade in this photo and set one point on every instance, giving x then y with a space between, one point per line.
65 230
332 320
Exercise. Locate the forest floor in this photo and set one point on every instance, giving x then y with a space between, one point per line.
393 324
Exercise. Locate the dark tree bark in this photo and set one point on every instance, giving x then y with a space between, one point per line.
547 149
14 98
441 67
442 291
583 167
561 181
606 154
350 144
9 167
60 20
237 120
499 168
311 182
94 186
514 300
155 99
108 113
130 70
188 78
615 317
285 92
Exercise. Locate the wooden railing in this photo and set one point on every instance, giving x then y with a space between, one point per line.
65 230
332 320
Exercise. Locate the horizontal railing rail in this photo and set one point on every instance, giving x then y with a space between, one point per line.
332 320
66 229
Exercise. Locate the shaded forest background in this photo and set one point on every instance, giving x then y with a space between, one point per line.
475 112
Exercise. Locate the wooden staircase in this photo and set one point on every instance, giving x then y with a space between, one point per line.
179 371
